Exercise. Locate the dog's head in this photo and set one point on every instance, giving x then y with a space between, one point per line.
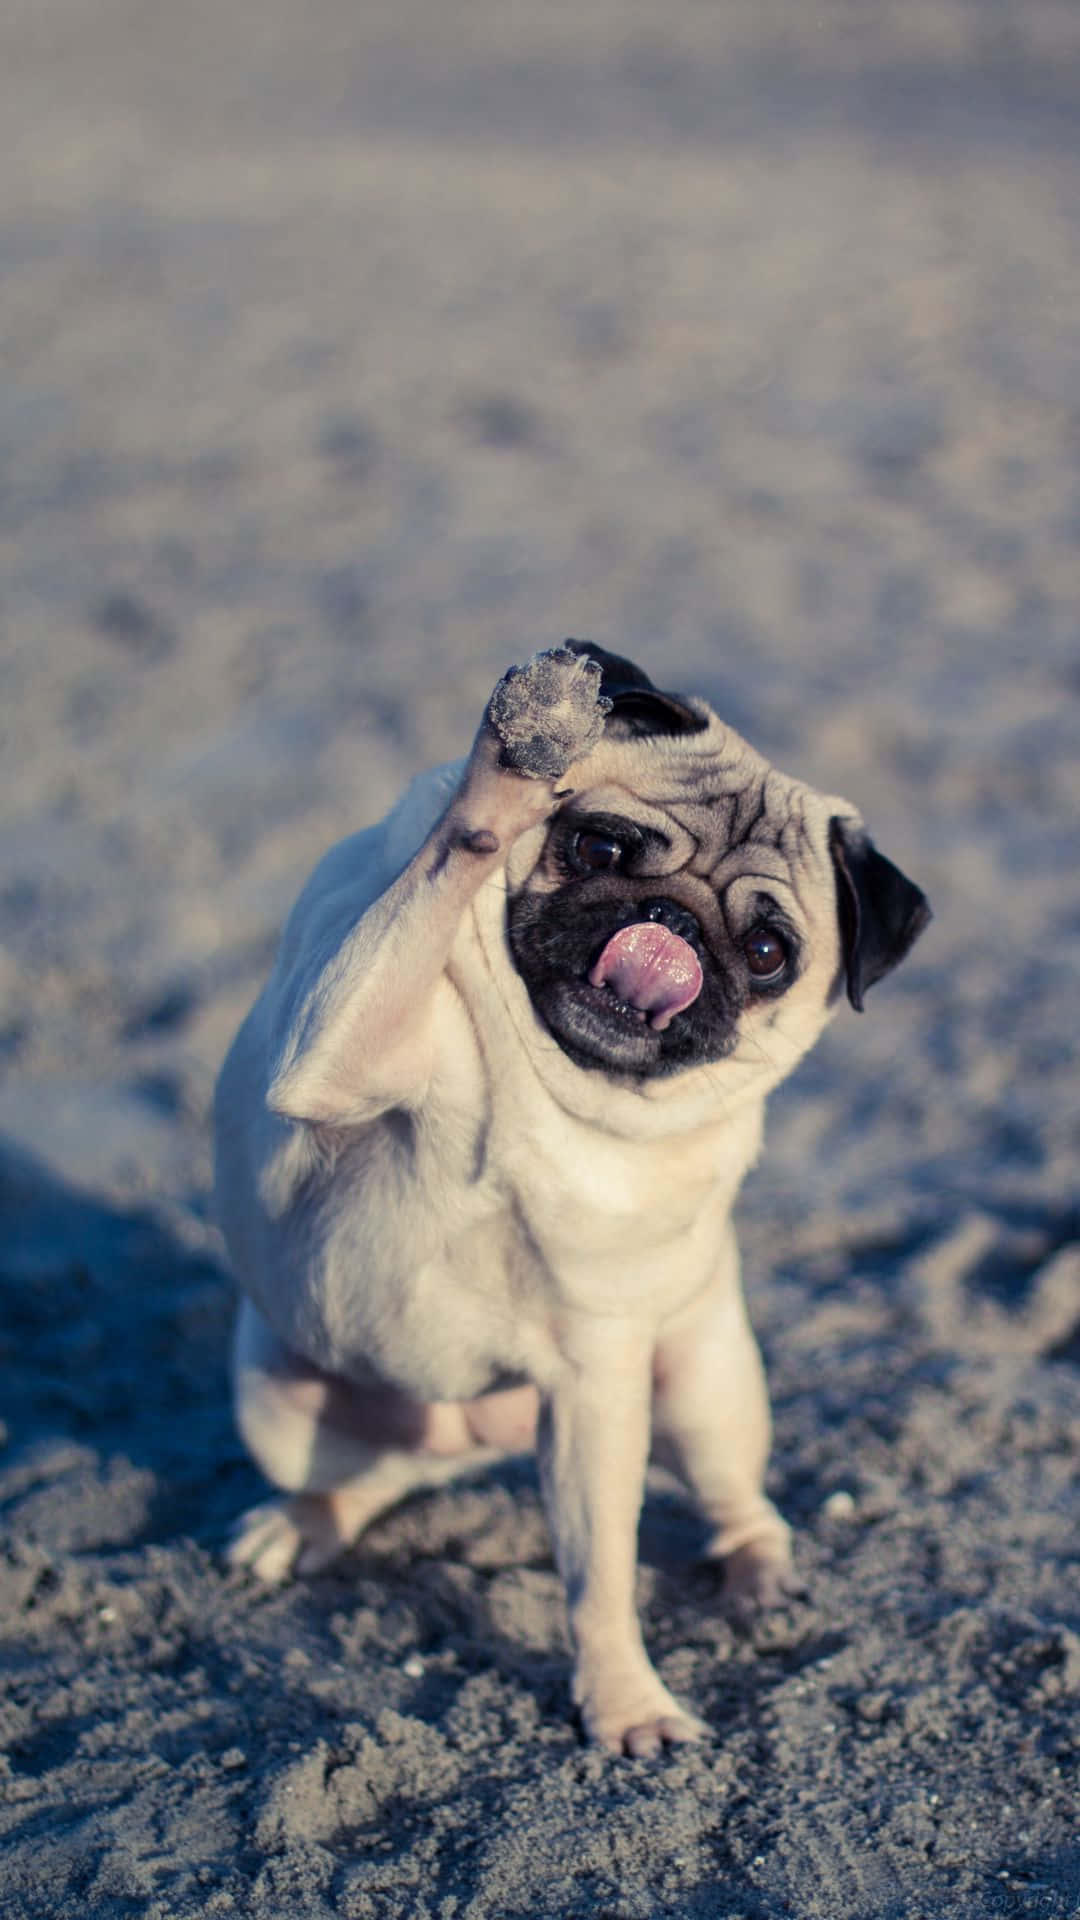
690 903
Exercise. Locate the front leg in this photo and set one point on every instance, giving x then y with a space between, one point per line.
711 1425
593 1444
353 1030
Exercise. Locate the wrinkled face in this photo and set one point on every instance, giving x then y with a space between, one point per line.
658 936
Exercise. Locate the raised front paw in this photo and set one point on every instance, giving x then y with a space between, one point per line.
548 713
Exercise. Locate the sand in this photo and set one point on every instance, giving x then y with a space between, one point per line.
348 354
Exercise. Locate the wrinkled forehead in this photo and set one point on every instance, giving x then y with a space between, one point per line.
713 788
708 768
723 809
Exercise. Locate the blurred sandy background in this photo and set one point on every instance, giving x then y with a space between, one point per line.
348 353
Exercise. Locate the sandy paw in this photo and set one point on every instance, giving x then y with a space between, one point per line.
758 1578
548 713
638 1724
648 1737
299 1535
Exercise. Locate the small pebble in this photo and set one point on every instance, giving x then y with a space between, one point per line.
839 1505
233 1758
413 1667
873 1707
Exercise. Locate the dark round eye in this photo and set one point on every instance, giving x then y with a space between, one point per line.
766 956
596 852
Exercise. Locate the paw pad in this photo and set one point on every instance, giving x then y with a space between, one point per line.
548 713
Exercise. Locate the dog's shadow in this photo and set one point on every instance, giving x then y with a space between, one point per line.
115 1338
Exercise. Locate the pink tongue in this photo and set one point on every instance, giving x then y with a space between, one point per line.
651 969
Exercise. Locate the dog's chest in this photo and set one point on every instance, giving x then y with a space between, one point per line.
608 1224
456 1251
539 1189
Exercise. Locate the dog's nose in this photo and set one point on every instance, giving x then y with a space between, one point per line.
670 915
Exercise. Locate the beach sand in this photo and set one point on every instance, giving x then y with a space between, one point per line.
349 353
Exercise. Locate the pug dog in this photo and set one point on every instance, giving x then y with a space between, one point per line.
478 1141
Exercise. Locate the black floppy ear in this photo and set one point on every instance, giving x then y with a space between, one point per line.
637 707
881 911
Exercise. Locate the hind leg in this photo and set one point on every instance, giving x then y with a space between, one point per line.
341 1455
